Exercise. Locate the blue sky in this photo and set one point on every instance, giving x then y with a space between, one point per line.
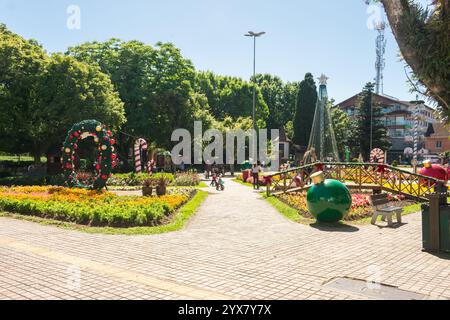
325 36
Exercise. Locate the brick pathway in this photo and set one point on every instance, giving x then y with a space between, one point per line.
236 247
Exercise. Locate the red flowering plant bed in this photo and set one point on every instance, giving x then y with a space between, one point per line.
361 207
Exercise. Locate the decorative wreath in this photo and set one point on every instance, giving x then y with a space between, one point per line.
106 158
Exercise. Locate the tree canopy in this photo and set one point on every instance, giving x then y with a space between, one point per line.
305 109
42 96
423 36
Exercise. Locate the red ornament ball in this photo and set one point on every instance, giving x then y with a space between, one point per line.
435 171
113 141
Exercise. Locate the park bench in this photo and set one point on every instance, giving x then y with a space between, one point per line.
382 208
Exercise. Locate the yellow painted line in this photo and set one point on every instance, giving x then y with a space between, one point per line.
123 274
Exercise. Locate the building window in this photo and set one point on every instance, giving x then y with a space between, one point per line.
439 144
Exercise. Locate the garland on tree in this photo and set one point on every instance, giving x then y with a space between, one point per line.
106 158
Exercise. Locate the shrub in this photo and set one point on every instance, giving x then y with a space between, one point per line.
186 180
128 179
137 179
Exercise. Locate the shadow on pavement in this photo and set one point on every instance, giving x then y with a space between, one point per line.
334 227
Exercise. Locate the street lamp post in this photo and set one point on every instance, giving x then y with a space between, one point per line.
254 35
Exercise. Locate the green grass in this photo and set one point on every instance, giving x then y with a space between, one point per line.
137 188
286 210
202 184
179 220
22 158
293 215
242 182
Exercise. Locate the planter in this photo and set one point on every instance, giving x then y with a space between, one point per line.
147 191
161 190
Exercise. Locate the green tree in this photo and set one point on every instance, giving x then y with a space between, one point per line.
42 96
231 97
68 92
369 122
155 83
21 64
423 37
341 126
280 98
305 109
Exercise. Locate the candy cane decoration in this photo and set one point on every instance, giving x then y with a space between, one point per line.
140 145
377 154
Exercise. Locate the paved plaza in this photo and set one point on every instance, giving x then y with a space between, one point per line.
236 247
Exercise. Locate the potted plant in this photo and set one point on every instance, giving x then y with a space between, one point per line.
161 186
147 187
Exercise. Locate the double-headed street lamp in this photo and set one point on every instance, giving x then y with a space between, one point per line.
254 35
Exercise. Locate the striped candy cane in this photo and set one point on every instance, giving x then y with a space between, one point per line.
377 154
140 144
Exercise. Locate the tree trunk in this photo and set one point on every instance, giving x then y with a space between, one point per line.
397 11
36 153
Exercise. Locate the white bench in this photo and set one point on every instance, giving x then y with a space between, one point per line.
382 208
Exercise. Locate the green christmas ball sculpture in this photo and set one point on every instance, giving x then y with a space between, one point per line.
328 200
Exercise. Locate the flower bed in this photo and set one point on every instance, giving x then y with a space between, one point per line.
360 209
90 207
186 179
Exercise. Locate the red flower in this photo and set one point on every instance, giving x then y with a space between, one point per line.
76 134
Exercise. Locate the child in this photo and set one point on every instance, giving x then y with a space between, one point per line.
214 180
220 185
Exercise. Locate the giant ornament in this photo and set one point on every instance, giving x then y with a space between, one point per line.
433 170
328 200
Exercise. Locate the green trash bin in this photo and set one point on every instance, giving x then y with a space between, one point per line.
444 228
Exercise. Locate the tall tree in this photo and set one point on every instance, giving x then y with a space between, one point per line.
423 36
341 126
155 83
369 123
280 98
305 109
42 96
231 97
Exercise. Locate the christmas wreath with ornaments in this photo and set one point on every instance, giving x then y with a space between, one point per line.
105 156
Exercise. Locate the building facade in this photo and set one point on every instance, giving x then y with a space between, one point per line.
399 118
438 142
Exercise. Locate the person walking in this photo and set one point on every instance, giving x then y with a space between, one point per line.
255 173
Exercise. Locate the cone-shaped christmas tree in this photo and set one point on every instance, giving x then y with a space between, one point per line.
322 142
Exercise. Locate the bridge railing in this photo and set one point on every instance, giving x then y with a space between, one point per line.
355 175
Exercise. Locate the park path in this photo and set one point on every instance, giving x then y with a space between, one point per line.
236 247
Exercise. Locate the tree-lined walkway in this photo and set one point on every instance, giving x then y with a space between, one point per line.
236 247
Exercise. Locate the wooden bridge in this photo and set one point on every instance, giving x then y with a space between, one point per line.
360 176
